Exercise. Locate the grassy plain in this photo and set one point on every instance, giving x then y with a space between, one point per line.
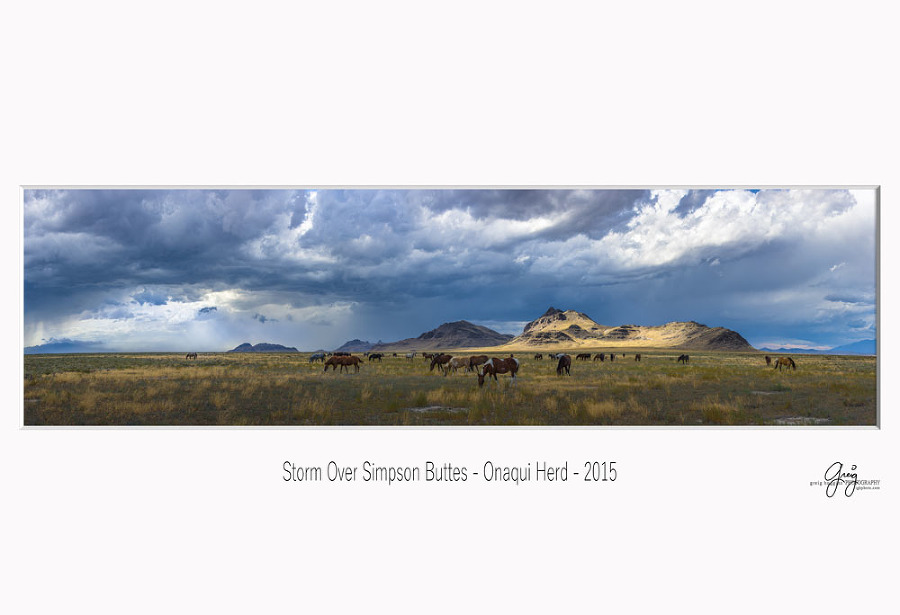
715 388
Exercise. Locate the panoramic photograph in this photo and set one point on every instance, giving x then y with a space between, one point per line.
670 307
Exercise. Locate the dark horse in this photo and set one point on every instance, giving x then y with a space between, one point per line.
343 361
539 356
583 356
440 360
476 361
785 362
498 366
375 356
768 360
191 355
683 359
565 362
599 357
637 357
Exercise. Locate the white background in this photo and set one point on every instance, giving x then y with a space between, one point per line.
394 94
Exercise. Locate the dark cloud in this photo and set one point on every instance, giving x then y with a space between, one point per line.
591 212
151 297
693 200
407 260
849 299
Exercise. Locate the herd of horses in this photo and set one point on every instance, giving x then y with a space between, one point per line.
486 367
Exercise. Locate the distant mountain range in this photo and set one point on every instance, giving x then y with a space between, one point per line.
554 328
564 328
65 346
867 347
459 334
263 347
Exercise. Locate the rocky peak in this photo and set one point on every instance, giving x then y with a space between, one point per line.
550 316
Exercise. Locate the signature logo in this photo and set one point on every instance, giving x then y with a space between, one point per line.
835 477
845 478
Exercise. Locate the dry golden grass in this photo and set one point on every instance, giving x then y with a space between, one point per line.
285 389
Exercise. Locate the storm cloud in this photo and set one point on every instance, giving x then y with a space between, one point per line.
208 269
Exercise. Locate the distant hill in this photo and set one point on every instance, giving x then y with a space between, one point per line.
570 328
459 334
355 346
794 351
860 347
263 347
64 346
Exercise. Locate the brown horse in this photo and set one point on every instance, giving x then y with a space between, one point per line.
499 366
476 361
599 357
637 357
565 363
768 360
539 356
583 356
343 361
786 362
441 360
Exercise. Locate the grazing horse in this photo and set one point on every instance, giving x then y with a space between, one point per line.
375 356
583 356
637 357
599 357
477 360
565 363
318 356
683 359
429 355
441 361
768 360
498 366
343 361
191 355
455 363
410 356
348 361
785 362
539 356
